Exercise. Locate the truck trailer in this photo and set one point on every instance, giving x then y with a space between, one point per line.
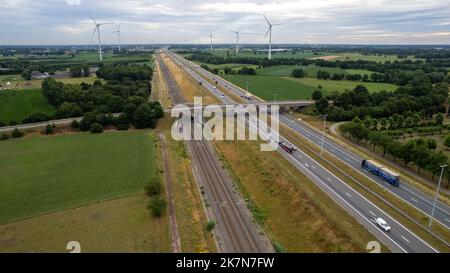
381 171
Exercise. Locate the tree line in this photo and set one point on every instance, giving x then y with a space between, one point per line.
125 90
420 152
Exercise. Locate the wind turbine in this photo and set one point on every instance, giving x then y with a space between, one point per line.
211 39
97 29
118 34
237 39
269 31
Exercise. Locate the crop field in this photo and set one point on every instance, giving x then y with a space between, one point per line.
340 86
273 88
15 105
41 174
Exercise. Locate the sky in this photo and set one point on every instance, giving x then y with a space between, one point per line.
191 21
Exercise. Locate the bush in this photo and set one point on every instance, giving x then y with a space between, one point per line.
49 129
75 124
298 73
278 247
4 136
144 117
210 225
17 133
157 206
2 124
37 117
96 128
153 188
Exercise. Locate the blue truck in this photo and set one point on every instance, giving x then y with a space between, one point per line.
381 171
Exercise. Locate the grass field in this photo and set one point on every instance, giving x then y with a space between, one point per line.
47 174
271 88
118 225
329 85
15 105
257 54
286 70
374 58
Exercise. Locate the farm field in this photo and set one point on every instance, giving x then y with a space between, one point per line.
119 225
18 82
374 58
72 170
286 70
340 86
15 105
258 54
273 88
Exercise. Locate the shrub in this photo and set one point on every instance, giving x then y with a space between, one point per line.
210 225
17 133
153 188
4 136
278 247
96 128
75 124
2 124
37 117
298 73
157 206
49 129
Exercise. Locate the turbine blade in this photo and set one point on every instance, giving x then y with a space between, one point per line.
267 20
277 24
93 33
92 18
268 31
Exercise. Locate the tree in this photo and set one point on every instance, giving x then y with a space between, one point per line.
431 144
406 151
96 128
49 129
447 142
322 105
439 119
68 110
298 73
317 95
153 188
210 225
157 206
144 117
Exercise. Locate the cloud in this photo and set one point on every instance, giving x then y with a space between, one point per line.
318 21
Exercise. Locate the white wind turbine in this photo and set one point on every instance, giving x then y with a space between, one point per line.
269 31
237 39
118 35
97 29
211 41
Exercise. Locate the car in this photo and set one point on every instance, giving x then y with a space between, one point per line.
381 223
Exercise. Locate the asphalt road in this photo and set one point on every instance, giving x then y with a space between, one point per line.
235 230
400 239
411 195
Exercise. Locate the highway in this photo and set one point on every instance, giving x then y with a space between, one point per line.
409 194
400 239
235 230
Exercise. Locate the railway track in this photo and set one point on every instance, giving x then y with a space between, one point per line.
235 230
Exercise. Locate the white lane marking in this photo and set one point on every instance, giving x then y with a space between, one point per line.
329 179
414 200
371 213
314 167
348 194
447 220
405 239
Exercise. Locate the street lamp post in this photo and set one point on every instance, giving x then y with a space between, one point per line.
323 133
436 196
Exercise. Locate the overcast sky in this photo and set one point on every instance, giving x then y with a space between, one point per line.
189 21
